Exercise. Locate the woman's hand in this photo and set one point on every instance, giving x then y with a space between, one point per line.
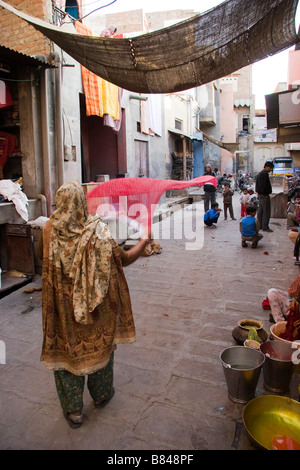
147 236
135 252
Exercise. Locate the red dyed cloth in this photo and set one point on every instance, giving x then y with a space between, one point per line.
266 304
136 198
292 331
7 146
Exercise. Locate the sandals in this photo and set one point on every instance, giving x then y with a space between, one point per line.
74 421
104 402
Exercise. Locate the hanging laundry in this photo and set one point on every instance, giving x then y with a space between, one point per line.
108 120
144 119
102 97
155 114
109 93
90 82
151 115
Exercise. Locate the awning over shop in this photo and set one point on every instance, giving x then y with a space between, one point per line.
187 136
230 146
188 54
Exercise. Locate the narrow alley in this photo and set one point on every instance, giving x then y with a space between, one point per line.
170 387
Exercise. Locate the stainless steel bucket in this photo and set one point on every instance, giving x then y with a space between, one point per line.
278 367
242 367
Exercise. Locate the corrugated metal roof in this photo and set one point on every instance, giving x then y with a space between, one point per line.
12 57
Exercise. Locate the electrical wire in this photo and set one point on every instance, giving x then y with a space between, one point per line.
90 13
99 8
91 3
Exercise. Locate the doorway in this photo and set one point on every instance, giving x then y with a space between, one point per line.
141 159
103 149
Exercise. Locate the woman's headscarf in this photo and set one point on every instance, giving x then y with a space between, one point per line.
81 248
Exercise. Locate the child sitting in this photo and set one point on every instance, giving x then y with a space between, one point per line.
293 214
244 199
249 228
227 200
212 215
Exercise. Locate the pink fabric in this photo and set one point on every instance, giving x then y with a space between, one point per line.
136 198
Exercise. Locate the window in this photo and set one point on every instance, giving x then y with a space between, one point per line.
246 123
178 124
72 8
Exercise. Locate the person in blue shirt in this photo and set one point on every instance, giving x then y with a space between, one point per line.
212 215
249 228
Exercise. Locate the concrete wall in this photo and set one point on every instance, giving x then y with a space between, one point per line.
265 143
294 68
264 152
244 106
71 83
208 97
177 108
227 125
155 143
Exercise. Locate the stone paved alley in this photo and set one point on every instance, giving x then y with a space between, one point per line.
170 387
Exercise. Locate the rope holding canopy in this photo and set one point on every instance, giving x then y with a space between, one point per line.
196 51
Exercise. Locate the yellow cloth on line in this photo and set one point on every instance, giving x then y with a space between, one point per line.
101 96
109 97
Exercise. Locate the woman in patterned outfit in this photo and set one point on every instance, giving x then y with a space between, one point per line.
280 300
86 301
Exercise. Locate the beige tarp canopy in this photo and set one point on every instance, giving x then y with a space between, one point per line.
188 54
230 146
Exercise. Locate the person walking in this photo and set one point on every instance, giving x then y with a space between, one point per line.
209 189
263 188
86 303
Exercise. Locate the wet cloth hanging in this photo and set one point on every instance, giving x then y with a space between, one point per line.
102 97
90 82
136 198
191 53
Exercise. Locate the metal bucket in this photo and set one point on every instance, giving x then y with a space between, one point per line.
241 368
278 368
